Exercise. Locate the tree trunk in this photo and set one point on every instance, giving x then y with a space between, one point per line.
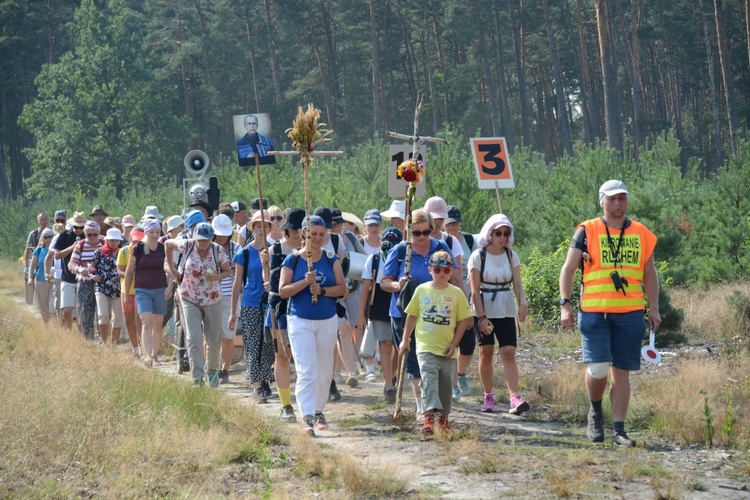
634 72
506 118
494 112
377 122
726 72
251 50
712 80
516 27
277 100
559 90
609 76
437 32
590 127
321 69
430 79
4 185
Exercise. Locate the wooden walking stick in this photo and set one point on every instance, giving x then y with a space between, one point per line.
305 134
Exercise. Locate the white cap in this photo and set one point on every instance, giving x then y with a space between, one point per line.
437 207
222 225
174 222
611 188
113 234
396 210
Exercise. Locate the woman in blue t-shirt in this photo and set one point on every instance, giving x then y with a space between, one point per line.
312 325
258 349
36 273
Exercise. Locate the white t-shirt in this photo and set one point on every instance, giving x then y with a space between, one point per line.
368 249
58 265
455 246
496 270
367 271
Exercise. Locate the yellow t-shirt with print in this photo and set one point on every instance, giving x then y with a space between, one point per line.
438 312
123 255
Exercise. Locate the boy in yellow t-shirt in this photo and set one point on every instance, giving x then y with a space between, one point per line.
437 313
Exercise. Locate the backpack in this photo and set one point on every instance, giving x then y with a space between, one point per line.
181 263
505 285
469 238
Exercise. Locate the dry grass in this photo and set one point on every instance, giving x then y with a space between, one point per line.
707 314
79 421
338 470
564 393
680 414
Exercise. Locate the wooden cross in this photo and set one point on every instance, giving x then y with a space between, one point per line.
411 189
306 157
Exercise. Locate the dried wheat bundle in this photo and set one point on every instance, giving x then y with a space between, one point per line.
307 132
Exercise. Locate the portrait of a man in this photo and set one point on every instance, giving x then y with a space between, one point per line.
252 133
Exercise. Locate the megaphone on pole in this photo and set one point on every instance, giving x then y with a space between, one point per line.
196 162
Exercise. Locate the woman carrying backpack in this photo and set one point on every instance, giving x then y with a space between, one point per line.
494 269
206 264
312 323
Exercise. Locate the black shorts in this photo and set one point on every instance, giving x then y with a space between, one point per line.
505 331
468 342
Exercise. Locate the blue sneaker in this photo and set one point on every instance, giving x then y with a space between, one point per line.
456 393
463 385
213 378
198 382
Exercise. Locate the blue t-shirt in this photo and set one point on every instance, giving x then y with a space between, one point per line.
253 291
41 254
301 304
419 268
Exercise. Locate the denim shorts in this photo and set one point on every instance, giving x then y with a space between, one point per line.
615 338
151 301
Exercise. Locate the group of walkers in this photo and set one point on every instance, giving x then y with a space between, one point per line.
323 292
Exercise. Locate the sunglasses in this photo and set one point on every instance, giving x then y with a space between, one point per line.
444 270
91 234
47 237
277 217
426 232
501 233
59 221
78 228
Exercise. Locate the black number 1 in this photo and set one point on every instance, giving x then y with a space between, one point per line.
399 159
492 150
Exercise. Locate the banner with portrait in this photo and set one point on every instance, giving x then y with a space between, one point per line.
252 135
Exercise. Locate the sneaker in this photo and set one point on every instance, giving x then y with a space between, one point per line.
223 376
463 385
390 395
456 393
198 382
266 389
428 425
309 425
595 429
518 405
320 422
489 403
622 439
338 378
156 361
148 362
443 424
213 378
371 377
352 381
259 395
287 414
333 393
184 366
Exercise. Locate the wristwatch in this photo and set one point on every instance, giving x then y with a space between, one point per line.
564 301
322 291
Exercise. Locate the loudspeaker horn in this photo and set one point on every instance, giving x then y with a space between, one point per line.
196 162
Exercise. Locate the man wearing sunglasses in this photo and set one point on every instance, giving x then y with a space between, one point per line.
618 264
64 246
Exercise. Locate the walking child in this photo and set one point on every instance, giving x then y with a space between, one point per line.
437 313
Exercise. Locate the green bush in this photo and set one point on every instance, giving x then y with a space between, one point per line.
541 277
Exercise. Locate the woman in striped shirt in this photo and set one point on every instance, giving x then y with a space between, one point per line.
80 265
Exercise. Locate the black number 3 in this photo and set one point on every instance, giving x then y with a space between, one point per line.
492 151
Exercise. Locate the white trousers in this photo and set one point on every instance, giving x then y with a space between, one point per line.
312 344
